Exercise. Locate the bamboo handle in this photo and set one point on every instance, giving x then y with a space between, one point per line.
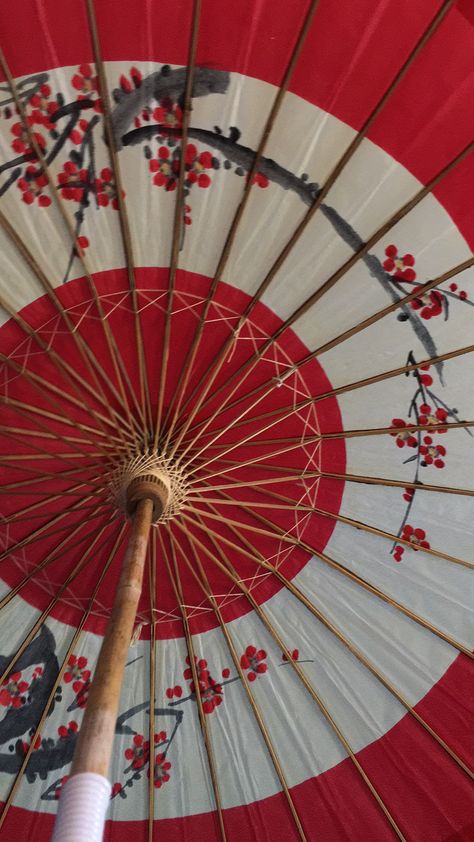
94 744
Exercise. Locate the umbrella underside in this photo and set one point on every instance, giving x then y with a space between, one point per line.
230 261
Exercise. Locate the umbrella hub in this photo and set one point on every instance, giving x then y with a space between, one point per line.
150 476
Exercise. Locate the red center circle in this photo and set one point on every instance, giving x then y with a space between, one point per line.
245 426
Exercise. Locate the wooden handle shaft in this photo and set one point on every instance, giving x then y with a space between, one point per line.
94 744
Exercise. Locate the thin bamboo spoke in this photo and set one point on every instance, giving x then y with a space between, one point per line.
205 587
340 165
246 368
70 374
230 426
227 568
45 614
301 442
275 109
295 506
297 444
397 483
43 453
43 475
27 518
41 530
41 503
145 407
178 222
304 475
65 476
176 585
115 356
19 457
83 349
419 292
75 639
67 543
38 382
339 390
304 600
51 436
151 735
282 536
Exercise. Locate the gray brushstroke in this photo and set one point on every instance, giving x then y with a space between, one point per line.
243 157
158 86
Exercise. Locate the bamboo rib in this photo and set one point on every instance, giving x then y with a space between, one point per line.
66 542
420 486
116 358
39 727
83 349
63 476
229 571
39 622
252 361
152 659
276 106
204 584
30 377
302 442
27 518
396 305
178 214
288 505
68 371
347 155
339 390
41 503
51 436
70 374
176 584
50 474
42 529
43 451
123 217
323 557
396 483
304 600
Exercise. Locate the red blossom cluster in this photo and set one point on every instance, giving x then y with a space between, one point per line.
80 678
12 691
160 771
165 167
177 691
65 731
404 437
416 537
400 267
21 143
433 417
209 689
87 84
32 186
294 655
432 453
252 660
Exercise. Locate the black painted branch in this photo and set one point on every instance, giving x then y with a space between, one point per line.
243 157
163 84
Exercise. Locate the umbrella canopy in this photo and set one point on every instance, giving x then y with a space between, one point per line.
237 262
